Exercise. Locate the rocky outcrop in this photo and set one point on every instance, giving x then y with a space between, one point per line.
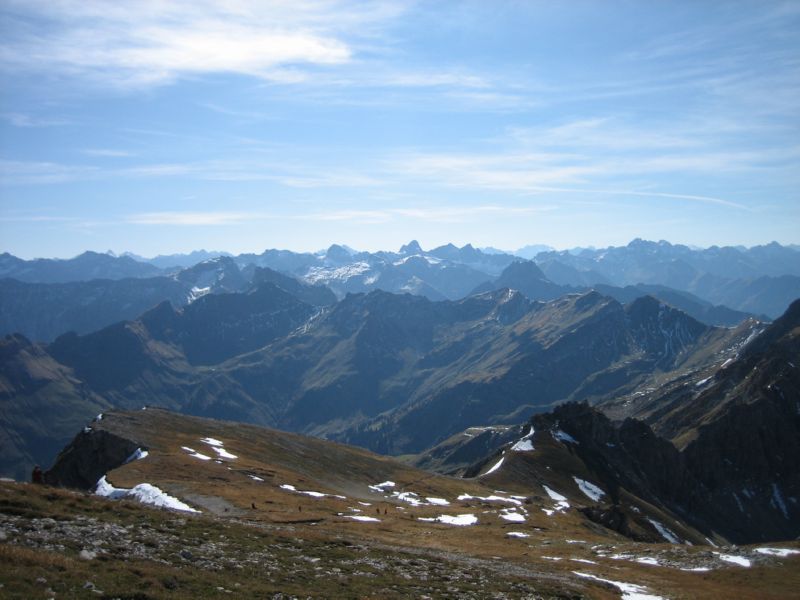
739 479
92 454
623 455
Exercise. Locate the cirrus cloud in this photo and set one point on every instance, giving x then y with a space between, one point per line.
156 42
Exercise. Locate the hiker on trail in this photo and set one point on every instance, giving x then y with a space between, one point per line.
37 476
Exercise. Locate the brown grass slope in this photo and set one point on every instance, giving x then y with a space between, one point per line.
312 546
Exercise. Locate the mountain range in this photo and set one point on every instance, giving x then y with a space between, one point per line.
43 298
625 416
394 373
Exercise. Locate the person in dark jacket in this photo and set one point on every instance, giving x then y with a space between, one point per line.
38 475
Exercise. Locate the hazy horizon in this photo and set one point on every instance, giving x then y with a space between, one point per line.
425 248
164 127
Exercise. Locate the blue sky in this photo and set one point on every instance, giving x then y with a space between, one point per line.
160 127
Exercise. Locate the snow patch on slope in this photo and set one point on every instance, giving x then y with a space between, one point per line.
459 520
194 454
591 490
218 447
665 533
144 493
525 444
138 454
630 591
496 466
563 436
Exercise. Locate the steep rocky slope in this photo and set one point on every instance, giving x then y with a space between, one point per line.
42 405
744 494
393 373
728 464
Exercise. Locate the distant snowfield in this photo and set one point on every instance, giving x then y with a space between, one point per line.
325 274
411 498
291 488
459 520
702 382
138 454
733 559
561 504
525 443
563 436
630 591
512 515
496 466
144 493
222 453
218 447
667 534
437 501
517 534
511 500
781 552
382 487
591 490
212 442
195 454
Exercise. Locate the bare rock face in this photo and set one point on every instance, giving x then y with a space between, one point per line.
624 455
739 478
92 454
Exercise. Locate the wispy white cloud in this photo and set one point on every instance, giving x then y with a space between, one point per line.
440 214
193 219
39 172
292 174
11 218
150 43
607 133
570 173
232 112
427 78
332 47
25 120
107 152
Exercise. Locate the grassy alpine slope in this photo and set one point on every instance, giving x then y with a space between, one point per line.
296 515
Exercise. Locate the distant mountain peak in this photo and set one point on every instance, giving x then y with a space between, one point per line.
591 298
665 330
411 247
338 254
525 268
